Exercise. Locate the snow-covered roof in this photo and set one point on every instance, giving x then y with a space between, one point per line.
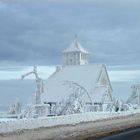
96 97
86 76
75 47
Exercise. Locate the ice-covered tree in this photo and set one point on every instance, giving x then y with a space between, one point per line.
35 107
15 109
75 102
39 84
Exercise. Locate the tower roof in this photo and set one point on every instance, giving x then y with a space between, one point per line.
75 47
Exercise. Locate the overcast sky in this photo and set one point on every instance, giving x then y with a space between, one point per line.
36 31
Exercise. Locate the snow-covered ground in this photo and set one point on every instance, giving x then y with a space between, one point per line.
21 124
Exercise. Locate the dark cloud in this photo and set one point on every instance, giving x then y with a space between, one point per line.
36 32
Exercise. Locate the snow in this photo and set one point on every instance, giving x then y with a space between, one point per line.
57 90
135 96
96 98
18 125
75 47
7 119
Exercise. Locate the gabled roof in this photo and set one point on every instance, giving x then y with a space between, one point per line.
75 47
85 75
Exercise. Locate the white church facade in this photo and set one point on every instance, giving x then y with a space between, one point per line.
79 82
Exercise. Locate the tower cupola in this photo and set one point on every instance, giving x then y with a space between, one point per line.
75 54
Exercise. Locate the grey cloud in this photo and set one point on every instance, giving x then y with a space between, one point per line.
37 31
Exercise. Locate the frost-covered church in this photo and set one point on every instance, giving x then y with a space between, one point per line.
78 82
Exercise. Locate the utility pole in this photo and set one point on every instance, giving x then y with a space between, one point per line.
38 106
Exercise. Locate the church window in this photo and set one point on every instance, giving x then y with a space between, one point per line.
71 61
82 56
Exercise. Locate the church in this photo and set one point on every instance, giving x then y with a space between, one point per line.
79 81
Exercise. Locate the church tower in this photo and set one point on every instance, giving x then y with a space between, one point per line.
75 54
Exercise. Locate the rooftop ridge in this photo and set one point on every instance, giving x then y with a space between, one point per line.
89 64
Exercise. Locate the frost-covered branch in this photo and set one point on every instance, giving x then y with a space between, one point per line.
75 102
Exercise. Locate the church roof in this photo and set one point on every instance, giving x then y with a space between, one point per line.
75 47
86 76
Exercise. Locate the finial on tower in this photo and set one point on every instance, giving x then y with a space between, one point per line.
76 40
76 36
